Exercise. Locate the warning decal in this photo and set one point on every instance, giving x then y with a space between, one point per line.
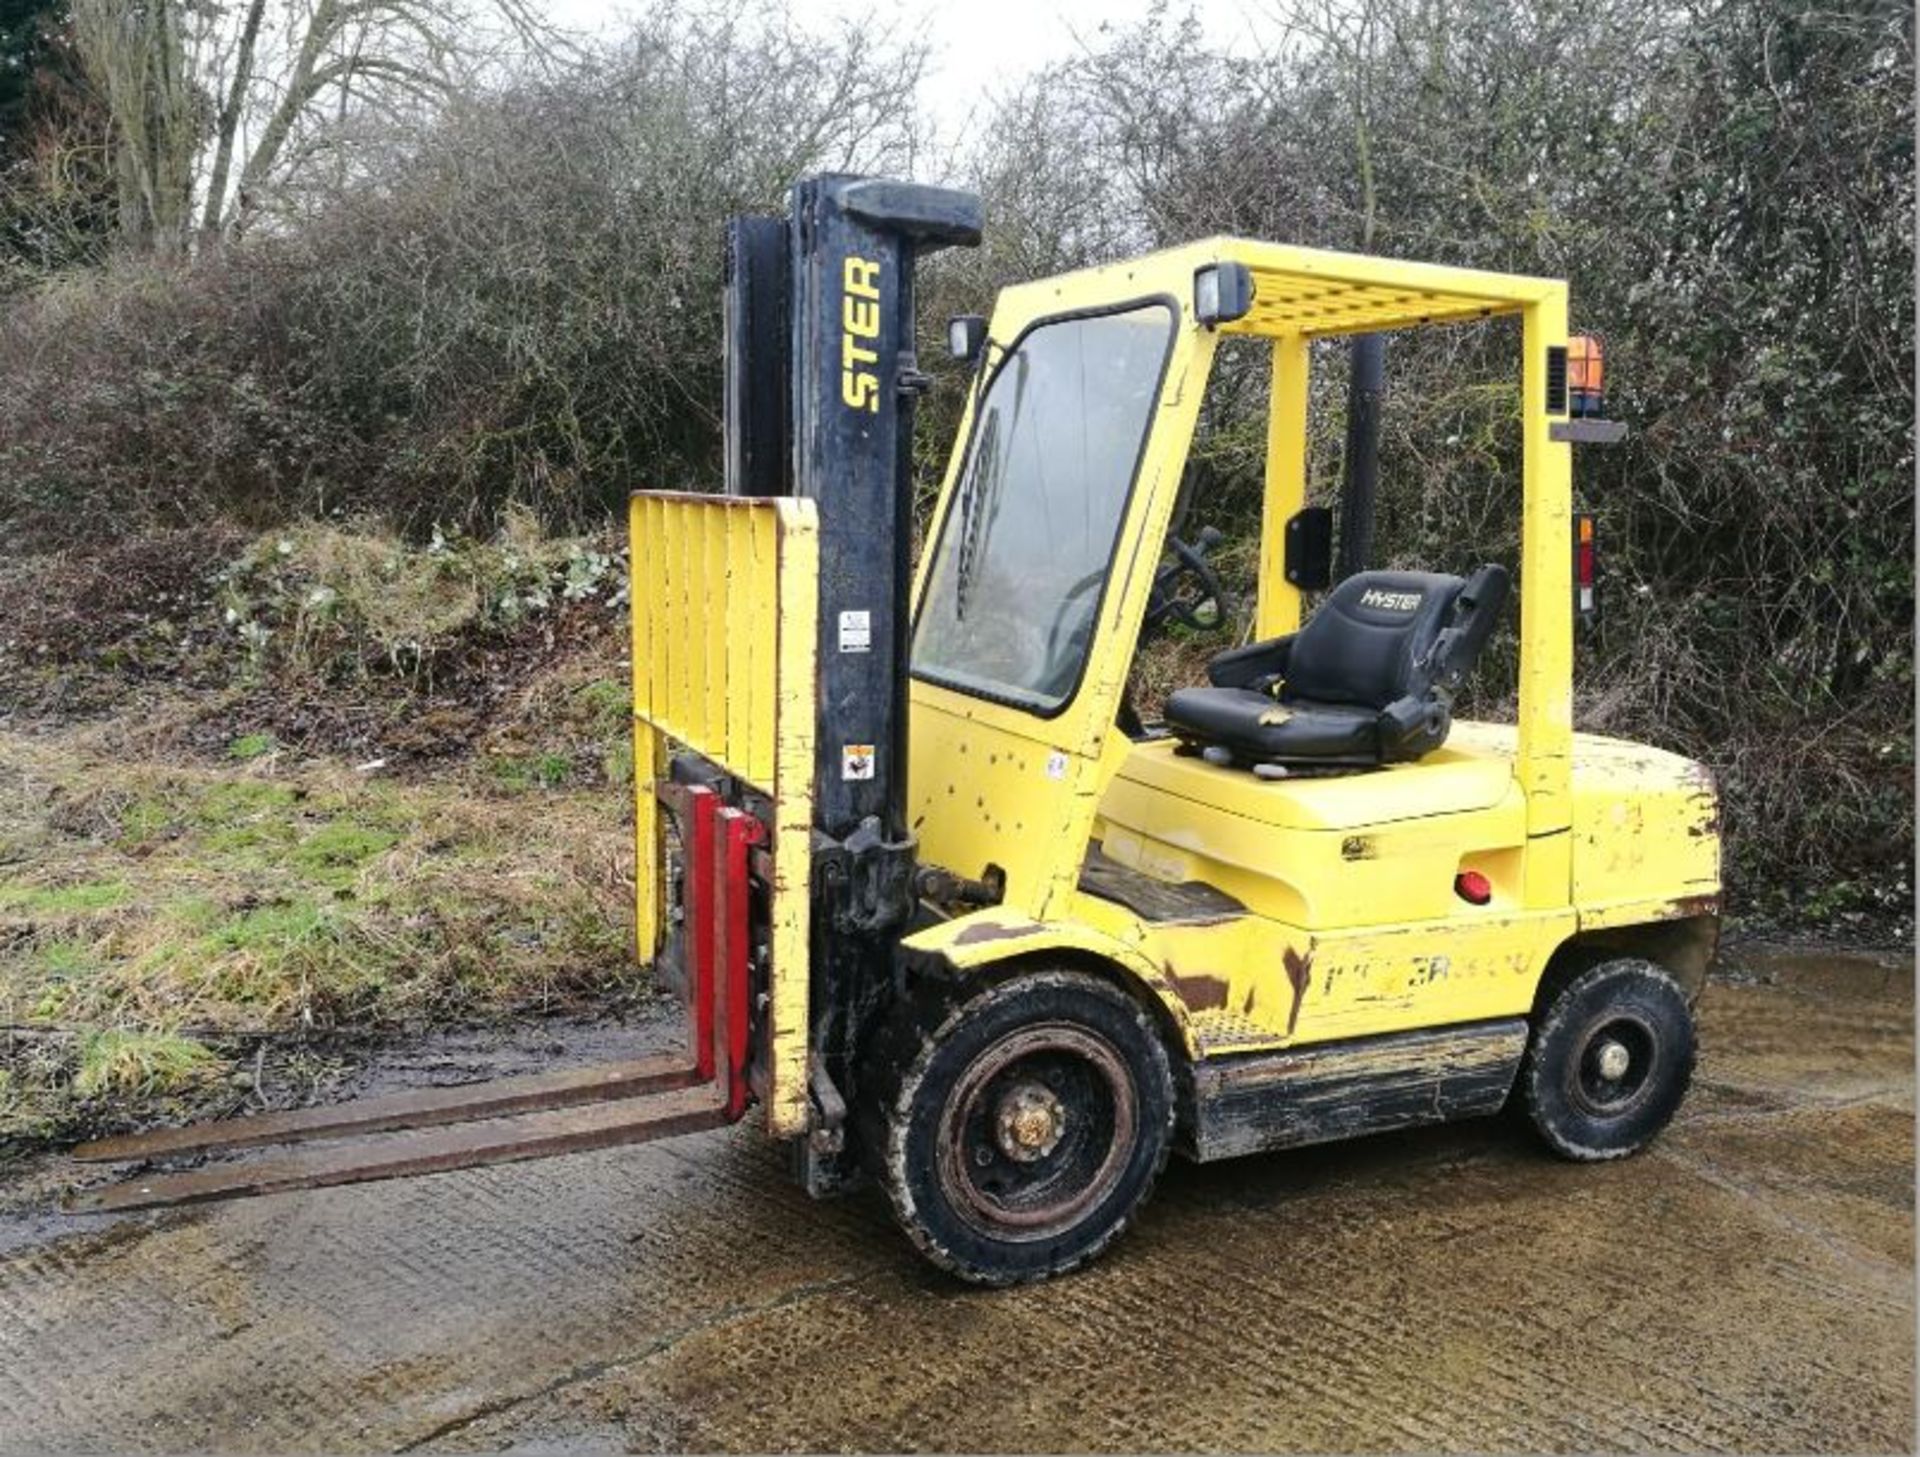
856 632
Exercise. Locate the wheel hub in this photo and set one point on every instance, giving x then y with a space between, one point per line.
1613 1071
1613 1060
1030 1123
1037 1131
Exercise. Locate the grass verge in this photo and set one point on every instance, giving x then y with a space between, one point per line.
158 920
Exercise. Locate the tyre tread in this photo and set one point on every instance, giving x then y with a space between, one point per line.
894 1176
1537 1092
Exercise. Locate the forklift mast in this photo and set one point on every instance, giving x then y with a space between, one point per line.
830 419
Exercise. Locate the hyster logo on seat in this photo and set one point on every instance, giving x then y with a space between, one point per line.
1390 601
860 322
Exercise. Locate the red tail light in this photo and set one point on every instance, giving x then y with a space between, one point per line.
1473 887
1586 596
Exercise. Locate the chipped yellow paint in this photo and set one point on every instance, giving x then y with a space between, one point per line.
1352 926
1646 831
1002 933
793 602
725 594
1403 977
1544 760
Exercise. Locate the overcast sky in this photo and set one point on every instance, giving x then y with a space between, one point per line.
977 45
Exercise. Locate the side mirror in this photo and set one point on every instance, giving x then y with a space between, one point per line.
966 337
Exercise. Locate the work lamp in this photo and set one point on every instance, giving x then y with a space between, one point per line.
1222 292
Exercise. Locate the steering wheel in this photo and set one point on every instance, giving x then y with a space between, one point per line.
1186 589
1072 595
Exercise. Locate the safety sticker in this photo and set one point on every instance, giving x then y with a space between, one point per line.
856 632
856 761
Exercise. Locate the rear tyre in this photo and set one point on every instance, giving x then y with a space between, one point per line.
1609 1061
1027 1128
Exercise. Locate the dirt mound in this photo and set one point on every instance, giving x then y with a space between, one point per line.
83 627
321 640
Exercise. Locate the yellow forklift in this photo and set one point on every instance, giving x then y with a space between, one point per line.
948 915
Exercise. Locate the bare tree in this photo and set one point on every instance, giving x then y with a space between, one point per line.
1349 35
140 58
215 103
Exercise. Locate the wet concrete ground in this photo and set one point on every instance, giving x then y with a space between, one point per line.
1747 1284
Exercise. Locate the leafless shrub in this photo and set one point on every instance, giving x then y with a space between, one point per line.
517 305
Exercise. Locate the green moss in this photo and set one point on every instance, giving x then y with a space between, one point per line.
137 1063
273 928
65 900
309 899
52 1003
242 801
61 973
259 844
245 820
617 763
146 820
607 704
252 746
197 912
341 846
294 959
531 771
66 958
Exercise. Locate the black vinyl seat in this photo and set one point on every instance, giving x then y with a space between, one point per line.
1369 680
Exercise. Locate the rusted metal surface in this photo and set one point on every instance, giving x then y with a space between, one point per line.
1200 993
426 1108
1016 1199
1683 936
693 807
400 1155
1694 905
1317 1094
996 931
1299 975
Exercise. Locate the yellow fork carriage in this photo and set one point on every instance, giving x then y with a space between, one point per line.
949 914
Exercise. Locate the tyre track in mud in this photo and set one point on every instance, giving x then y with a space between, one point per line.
1746 1285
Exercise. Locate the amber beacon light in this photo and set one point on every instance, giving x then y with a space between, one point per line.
1586 385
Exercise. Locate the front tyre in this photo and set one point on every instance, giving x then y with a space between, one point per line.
1610 1058
1028 1127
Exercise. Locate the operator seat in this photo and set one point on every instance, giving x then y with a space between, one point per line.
1369 680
